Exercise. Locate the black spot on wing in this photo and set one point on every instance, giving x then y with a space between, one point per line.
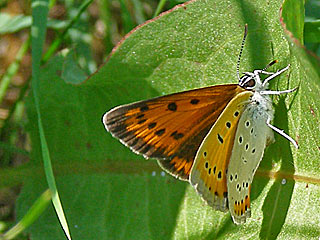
160 132
220 138
194 101
172 106
142 121
177 135
152 125
144 108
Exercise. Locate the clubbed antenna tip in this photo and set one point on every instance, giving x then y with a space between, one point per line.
270 64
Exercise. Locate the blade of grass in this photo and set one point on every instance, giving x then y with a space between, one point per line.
4 84
12 69
127 20
6 122
40 11
159 7
138 11
35 211
105 15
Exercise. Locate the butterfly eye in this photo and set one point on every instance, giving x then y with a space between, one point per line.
247 80
250 84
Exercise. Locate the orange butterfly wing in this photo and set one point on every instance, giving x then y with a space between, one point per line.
170 128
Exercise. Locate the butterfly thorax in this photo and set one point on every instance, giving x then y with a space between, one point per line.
261 107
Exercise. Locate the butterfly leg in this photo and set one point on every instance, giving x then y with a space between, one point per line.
277 92
282 133
277 73
265 72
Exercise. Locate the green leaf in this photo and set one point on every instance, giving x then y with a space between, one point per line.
312 31
71 71
109 192
293 15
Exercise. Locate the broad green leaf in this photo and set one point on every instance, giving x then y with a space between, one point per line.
292 13
108 192
312 31
71 71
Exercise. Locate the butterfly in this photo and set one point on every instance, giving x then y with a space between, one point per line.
214 137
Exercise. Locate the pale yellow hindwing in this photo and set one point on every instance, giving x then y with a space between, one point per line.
208 174
251 139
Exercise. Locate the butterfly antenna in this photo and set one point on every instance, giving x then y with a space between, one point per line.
241 49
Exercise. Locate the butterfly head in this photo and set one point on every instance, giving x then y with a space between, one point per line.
252 81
